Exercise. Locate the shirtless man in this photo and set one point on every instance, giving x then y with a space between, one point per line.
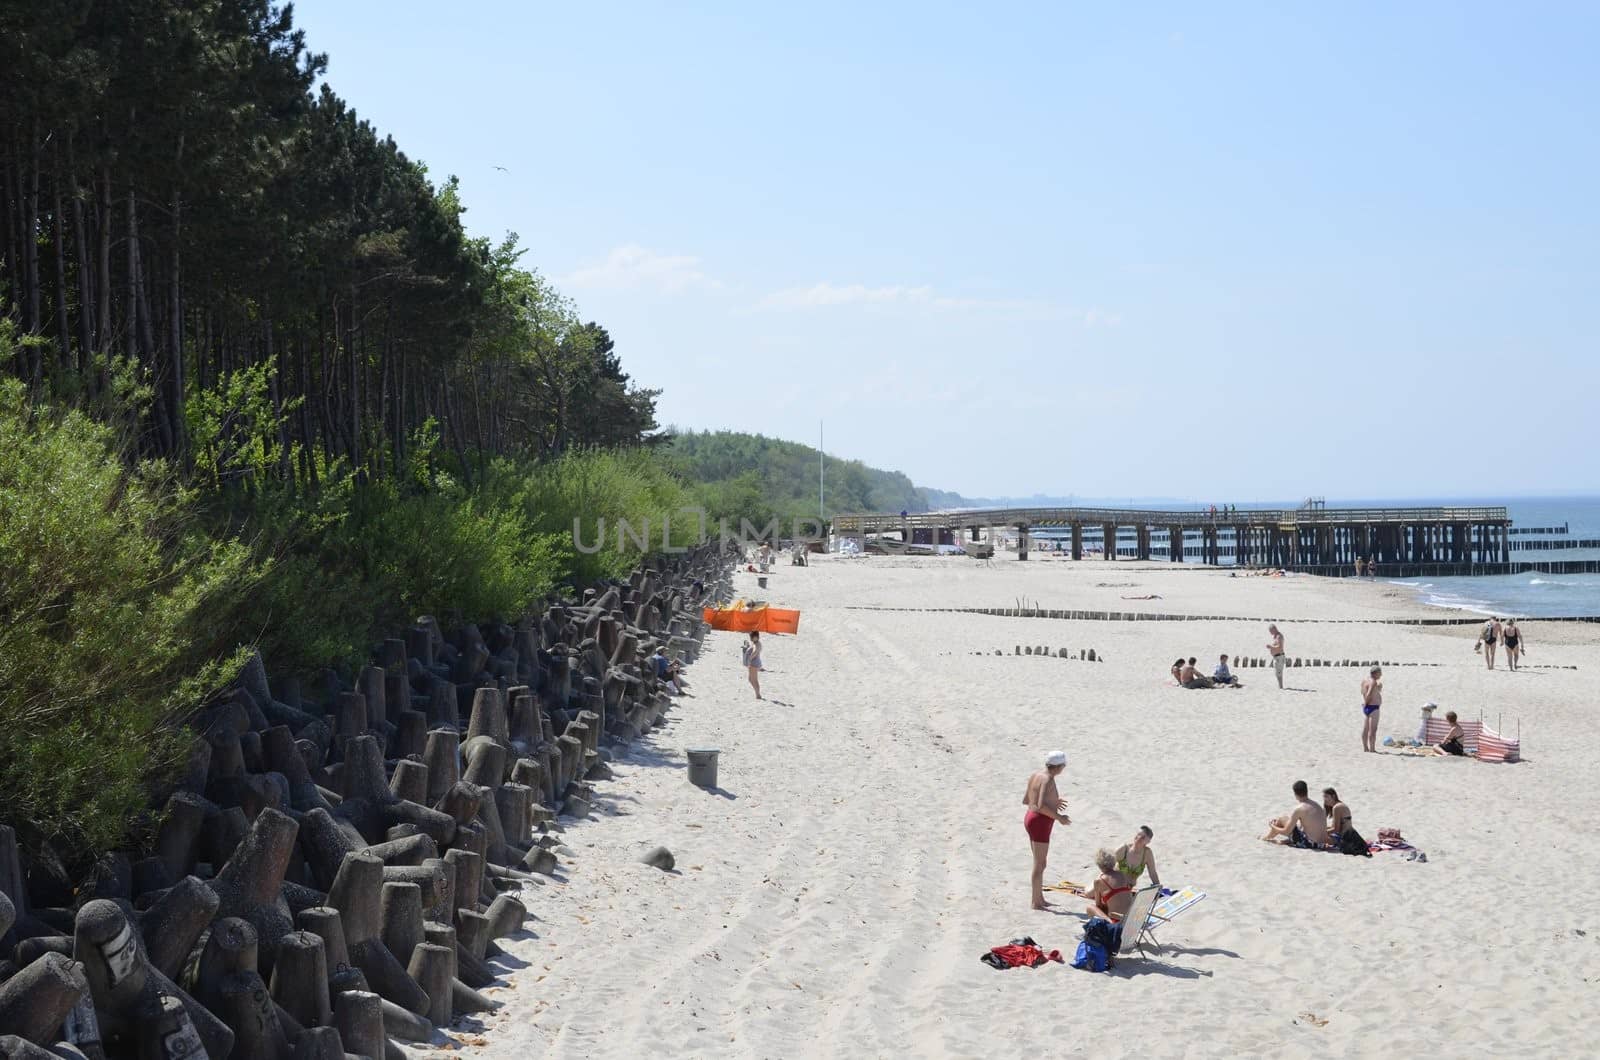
1371 701
1305 826
1275 649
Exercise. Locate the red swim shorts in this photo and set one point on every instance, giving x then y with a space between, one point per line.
1038 826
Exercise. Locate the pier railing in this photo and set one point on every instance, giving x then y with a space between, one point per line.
869 522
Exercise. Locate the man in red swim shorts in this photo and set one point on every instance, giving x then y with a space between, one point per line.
1044 810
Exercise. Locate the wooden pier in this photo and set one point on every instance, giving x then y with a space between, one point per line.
1325 540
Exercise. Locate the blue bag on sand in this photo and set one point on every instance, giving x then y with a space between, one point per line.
1091 956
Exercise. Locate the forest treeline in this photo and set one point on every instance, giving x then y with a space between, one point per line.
259 388
182 192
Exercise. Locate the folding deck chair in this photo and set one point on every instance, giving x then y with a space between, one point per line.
1136 924
1166 910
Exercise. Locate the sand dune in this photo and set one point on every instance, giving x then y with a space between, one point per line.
865 847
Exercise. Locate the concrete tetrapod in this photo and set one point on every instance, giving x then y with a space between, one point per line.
167 1032
401 905
123 982
250 885
359 1016
432 967
357 894
372 807
175 922
300 979
35 1001
248 1009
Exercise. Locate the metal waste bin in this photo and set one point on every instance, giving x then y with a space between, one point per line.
762 581
703 767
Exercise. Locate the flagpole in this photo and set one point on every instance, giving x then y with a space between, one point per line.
822 511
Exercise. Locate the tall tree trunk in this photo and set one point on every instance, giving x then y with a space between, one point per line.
63 329
175 395
30 250
102 336
86 280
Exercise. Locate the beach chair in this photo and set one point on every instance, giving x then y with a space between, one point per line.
1168 909
1136 925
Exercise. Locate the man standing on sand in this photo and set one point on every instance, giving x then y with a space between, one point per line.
1275 649
1371 701
1306 825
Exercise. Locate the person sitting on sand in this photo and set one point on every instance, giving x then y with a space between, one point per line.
668 670
1112 892
1192 678
1222 675
1338 816
1303 826
1451 744
1045 808
1177 672
1134 856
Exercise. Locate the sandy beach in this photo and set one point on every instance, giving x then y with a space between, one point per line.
865 846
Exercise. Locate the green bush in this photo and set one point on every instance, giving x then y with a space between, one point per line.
110 624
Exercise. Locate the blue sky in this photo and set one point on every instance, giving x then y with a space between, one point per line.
1252 251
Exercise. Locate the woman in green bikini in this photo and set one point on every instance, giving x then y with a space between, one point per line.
1134 856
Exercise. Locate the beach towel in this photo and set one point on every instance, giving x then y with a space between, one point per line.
1020 953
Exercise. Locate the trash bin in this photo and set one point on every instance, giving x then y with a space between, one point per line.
703 767
762 581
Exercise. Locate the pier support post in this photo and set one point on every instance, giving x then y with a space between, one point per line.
1077 540
1022 542
1110 531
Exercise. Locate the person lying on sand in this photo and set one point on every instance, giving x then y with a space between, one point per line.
1304 826
1112 892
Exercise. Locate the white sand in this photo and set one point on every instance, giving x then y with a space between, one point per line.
867 848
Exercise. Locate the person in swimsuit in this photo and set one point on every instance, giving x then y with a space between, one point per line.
1489 638
1451 744
752 661
1177 672
1304 826
1045 808
1338 816
1275 649
1134 856
1371 702
1112 892
1513 638
1189 677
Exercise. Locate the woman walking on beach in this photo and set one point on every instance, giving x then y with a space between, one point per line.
1371 702
1488 638
1044 810
752 661
1513 638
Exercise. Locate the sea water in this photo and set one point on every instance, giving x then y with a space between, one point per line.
1525 595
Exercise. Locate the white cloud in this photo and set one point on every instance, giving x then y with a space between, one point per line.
633 267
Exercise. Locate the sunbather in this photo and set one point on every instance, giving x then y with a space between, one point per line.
1177 671
1451 744
1045 809
1303 826
1338 815
1134 856
1189 677
1112 892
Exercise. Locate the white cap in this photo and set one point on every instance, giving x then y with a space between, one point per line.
1430 705
1056 758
